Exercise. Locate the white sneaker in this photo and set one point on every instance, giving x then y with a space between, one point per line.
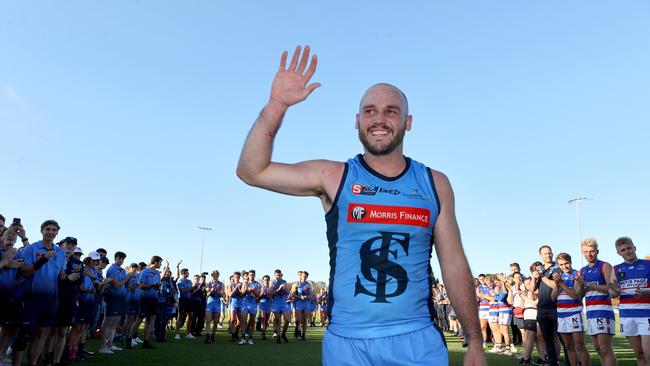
115 348
250 341
507 353
106 351
137 340
513 349
242 341
190 336
177 337
219 326
496 350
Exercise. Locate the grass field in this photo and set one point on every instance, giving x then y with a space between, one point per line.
297 352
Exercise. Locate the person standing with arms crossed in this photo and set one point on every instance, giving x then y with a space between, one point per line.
380 239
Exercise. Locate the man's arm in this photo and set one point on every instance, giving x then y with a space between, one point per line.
456 273
255 166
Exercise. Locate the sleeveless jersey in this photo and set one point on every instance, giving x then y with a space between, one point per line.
598 304
265 294
484 305
380 235
250 297
282 295
215 290
303 288
502 302
235 295
566 305
632 276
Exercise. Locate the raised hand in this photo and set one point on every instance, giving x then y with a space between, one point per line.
290 83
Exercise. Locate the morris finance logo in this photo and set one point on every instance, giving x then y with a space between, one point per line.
358 213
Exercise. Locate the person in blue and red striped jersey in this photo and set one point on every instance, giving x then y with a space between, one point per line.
592 282
505 314
630 282
482 291
569 312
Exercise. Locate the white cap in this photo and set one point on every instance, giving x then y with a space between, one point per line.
94 256
78 250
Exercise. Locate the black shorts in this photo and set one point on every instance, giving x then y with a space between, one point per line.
530 324
115 306
39 310
10 310
148 306
65 312
184 305
85 312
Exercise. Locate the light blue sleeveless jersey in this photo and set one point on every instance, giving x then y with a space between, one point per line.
380 234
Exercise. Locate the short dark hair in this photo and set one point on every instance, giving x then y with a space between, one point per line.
481 275
266 277
50 222
277 271
544 246
236 273
2 218
104 260
101 250
563 256
252 271
185 270
515 264
155 259
120 255
142 265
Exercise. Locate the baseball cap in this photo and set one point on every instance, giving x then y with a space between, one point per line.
78 250
94 256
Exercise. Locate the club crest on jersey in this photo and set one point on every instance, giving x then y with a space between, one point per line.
358 213
621 275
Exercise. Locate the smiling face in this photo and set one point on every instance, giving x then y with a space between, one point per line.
565 265
546 254
383 119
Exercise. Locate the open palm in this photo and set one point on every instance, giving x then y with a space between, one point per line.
290 84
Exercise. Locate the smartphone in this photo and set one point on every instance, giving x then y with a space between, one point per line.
16 222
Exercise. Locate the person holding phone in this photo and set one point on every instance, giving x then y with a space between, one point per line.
10 294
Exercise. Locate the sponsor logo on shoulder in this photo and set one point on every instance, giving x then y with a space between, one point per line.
371 190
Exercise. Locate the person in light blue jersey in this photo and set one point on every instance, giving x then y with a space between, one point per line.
214 292
184 285
132 303
83 313
115 298
383 211
265 303
280 307
10 301
234 292
149 282
44 266
251 291
302 290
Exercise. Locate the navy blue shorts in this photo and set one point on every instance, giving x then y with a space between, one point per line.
184 305
133 306
84 313
10 309
65 311
39 310
148 306
115 306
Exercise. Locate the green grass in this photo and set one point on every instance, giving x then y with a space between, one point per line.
296 352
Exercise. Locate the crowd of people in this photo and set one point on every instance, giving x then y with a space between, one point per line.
53 297
543 307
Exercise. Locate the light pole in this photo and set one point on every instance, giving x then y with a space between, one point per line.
203 229
576 202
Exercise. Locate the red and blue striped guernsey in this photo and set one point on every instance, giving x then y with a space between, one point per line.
598 303
632 276
566 305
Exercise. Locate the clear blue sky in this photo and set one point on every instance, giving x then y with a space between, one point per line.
124 120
